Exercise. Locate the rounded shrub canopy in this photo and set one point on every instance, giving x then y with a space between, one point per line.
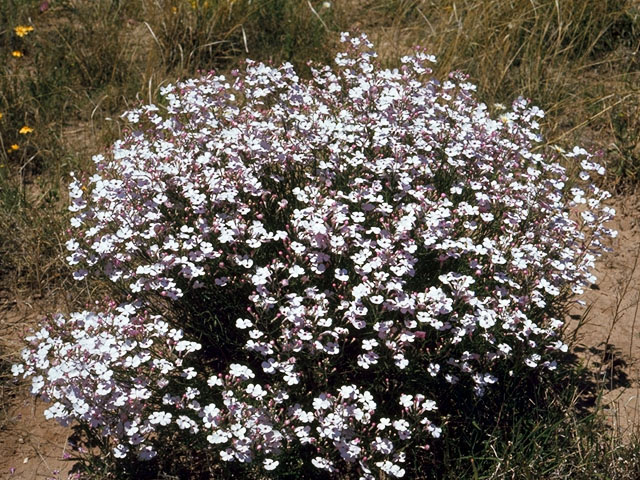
305 270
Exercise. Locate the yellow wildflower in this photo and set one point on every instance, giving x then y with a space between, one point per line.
1 115
16 53
24 130
22 30
13 148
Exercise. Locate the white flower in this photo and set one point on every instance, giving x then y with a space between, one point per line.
341 274
406 401
256 391
120 451
323 464
376 299
429 405
322 402
383 423
296 271
240 371
37 383
270 464
160 418
369 343
383 445
401 361
391 468
243 323
227 455
218 437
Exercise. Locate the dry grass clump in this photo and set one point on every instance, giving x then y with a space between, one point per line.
206 34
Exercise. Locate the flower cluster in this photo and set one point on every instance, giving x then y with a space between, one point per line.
312 261
23 30
9 141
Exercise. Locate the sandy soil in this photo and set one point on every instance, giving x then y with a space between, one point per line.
608 337
30 447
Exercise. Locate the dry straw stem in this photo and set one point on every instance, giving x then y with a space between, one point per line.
188 36
619 310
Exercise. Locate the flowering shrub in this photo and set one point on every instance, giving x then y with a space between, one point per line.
304 267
